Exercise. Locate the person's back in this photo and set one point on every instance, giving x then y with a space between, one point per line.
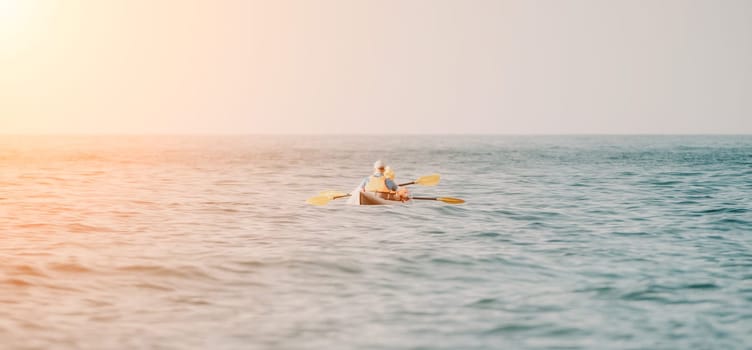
378 182
401 193
382 183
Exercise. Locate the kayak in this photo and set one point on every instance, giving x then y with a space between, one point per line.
366 198
356 197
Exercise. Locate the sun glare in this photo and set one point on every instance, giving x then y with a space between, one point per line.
16 17
11 12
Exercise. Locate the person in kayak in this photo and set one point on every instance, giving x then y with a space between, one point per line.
401 191
380 184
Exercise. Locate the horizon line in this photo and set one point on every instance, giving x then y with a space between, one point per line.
354 134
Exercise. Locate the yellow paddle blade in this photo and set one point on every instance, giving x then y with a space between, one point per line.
429 180
450 200
319 200
332 194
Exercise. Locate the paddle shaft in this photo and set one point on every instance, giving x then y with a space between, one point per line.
447 200
426 198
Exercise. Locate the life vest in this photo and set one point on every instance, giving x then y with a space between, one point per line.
377 184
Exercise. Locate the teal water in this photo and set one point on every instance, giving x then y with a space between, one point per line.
565 242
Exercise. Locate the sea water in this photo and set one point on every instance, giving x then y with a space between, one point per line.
185 242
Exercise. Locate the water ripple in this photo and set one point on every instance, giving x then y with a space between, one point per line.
577 242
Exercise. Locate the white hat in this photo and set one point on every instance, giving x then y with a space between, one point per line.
379 164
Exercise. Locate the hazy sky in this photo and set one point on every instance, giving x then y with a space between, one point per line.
399 66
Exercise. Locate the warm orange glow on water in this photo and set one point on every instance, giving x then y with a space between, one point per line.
112 242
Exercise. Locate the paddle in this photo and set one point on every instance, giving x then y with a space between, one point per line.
332 193
324 199
447 200
428 180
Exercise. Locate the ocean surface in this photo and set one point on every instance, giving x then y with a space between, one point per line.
206 242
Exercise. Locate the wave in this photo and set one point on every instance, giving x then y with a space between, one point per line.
187 272
83 228
723 211
69 267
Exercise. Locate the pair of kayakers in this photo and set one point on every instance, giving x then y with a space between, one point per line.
382 184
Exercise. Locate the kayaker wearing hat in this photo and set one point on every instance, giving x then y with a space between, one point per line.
380 184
